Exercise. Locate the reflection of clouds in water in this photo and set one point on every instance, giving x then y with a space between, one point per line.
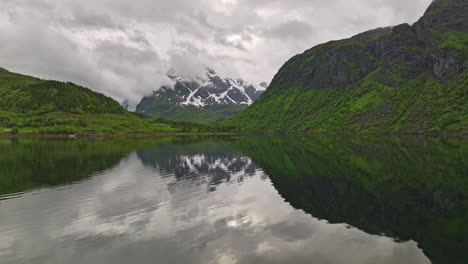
143 212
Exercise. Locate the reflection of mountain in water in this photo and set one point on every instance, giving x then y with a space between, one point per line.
200 162
408 188
128 214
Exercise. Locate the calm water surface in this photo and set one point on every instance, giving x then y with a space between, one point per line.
253 199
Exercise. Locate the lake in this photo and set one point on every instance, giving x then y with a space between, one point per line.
235 199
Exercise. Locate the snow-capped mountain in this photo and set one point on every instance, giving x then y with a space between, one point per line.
211 90
213 93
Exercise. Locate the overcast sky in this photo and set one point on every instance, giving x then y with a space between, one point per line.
124 48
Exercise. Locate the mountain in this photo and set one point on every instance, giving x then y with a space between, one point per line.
33 106
406 78
203 100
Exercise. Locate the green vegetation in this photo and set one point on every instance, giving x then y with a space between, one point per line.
184 126
405 79
423 104
25 94
453 39
30 105
65 123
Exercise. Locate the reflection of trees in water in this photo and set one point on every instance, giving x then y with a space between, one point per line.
27 164
200 163
33 163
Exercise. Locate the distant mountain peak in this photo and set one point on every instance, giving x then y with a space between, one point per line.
212 89
211 95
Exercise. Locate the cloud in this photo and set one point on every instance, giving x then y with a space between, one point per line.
124 48
295 29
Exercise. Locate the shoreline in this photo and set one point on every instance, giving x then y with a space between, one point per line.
150 135
135 135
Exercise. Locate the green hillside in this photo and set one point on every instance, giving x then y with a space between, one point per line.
30 105
397 79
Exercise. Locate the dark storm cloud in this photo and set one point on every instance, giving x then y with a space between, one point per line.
124 48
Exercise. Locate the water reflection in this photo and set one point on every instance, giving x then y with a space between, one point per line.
409 188
33 163
208 163
195 201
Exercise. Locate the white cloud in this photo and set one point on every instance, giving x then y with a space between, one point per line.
124 48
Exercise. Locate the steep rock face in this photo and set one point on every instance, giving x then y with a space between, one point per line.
402 78
445 60
204 100
446 63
